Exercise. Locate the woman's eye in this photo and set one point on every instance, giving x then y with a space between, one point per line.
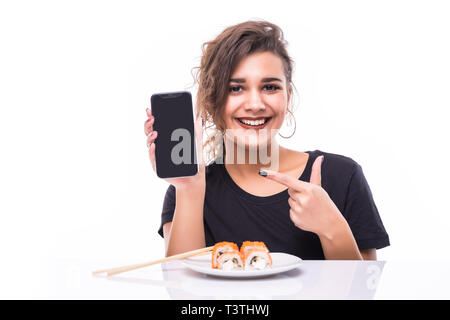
235 88
272 86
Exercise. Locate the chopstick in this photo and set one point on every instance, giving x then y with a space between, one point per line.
193 253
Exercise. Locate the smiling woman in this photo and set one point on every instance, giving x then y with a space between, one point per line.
314 204
259 102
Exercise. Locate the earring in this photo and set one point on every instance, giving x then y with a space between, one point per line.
295 126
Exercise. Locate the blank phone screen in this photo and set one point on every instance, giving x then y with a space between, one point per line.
175 151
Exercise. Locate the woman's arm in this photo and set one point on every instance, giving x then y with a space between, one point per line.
186 231
339 243
312 209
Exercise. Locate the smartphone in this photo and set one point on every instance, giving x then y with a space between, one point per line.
175 146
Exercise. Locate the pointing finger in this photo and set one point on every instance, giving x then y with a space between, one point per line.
316 175
284 179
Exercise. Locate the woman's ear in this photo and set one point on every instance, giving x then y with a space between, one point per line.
289 95
288 100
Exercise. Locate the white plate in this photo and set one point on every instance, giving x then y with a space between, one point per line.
281 262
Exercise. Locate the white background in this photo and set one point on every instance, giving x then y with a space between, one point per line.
76 76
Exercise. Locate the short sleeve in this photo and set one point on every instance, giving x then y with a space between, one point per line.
362 214
168 208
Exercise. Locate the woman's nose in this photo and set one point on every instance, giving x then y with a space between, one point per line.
254 102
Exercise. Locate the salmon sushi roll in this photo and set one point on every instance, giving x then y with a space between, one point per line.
230 260
220 248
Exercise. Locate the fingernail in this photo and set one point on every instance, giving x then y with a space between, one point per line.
262 173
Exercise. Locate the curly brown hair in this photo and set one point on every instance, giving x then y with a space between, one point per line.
219 58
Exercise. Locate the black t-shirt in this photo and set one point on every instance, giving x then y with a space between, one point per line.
232 214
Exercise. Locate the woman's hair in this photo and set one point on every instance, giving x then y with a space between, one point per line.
219 58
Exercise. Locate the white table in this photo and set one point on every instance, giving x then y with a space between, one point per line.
313 280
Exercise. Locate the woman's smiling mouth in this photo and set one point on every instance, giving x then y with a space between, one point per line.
253 123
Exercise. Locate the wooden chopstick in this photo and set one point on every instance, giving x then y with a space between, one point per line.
184 255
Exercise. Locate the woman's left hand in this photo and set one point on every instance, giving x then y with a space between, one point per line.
311 207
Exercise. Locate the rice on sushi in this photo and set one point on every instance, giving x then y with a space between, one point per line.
257 259
230 261
220 248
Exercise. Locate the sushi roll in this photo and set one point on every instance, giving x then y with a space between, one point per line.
257 259
231 260
220 248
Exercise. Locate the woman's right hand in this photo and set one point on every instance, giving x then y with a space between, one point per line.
197 182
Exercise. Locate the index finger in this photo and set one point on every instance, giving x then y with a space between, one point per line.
284 179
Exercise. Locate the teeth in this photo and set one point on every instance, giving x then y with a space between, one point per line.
253 122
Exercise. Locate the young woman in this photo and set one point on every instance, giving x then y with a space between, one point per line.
314 204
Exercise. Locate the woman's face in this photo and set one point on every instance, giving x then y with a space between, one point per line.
257 100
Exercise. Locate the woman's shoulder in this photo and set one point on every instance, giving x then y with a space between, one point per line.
338 159
334 163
